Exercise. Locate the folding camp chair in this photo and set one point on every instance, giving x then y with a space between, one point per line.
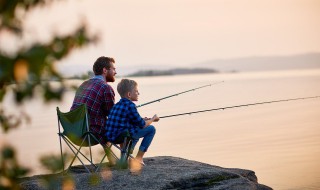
76 134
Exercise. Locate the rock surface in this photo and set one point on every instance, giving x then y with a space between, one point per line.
160 173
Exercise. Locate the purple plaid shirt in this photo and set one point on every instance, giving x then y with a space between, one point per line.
99 98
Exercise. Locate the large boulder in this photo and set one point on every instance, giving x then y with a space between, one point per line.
159 173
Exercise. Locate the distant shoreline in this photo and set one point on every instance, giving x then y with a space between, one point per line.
177 71
241 64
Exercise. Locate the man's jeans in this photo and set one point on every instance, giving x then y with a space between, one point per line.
147 134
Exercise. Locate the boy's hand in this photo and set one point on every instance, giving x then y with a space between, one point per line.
155 118
146 118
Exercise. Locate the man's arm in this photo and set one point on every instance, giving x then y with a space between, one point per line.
108 99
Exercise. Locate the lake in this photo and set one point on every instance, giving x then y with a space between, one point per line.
279 141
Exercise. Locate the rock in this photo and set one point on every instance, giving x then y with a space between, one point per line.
159 173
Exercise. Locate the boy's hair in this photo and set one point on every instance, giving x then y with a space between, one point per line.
125 86
102 62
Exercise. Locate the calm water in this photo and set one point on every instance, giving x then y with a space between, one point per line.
280 141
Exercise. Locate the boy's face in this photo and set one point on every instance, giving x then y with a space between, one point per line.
134 94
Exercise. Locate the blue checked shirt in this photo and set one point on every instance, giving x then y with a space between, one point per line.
123 116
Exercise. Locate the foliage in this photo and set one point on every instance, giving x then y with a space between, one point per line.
28 70
32 67
53 162
10 169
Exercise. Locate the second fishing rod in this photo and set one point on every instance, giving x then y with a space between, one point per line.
238 106
177 94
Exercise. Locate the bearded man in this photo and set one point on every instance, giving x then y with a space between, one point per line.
98 95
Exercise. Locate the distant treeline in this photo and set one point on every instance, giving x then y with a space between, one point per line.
179 71
84 76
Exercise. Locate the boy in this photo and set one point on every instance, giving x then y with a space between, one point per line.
124 116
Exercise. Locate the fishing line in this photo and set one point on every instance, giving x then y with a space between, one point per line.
237 106
177 94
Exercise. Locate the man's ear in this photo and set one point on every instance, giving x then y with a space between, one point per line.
105 70
129 94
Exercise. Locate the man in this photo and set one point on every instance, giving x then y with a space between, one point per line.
98 95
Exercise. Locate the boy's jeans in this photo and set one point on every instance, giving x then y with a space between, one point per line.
147 134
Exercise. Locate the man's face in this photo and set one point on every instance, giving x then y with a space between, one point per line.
111 73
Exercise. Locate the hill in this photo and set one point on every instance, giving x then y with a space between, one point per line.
264 63
177 71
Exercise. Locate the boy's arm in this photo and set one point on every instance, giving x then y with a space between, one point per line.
134 117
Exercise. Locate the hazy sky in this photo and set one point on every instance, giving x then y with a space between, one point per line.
182 32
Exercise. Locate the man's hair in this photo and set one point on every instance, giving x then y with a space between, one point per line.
100 63
125 86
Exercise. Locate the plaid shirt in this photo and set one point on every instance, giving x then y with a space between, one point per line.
123 116
99 98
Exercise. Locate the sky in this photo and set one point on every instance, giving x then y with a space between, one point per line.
169 33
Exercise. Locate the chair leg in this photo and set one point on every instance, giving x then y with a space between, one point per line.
78 151
90 148
111 155
76 155
62 160
125 153
108 153
107 148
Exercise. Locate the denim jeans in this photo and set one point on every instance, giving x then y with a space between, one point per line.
147 134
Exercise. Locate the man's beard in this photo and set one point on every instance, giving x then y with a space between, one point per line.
110 78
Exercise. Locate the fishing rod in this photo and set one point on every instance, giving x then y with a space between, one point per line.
177 94
237 106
